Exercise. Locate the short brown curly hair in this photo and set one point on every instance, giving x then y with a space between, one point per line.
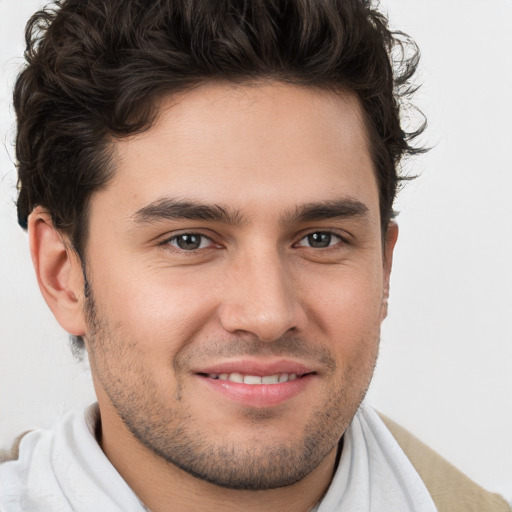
95 67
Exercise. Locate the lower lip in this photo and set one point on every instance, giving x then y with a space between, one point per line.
259 395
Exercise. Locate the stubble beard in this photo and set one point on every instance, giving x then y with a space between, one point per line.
174 435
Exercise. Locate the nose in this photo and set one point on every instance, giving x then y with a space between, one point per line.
262 298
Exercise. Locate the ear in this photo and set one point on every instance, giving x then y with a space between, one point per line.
58 270
389 247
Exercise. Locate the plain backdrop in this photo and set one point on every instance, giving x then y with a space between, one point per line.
445 369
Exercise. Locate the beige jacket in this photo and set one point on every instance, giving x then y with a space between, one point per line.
451 490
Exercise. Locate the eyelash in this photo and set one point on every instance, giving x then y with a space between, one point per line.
204 238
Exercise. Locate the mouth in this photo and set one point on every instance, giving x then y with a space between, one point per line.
254 380
255 384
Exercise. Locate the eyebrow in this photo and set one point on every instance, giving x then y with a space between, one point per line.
174 209
337 209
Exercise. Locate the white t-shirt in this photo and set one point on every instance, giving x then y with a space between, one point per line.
65 470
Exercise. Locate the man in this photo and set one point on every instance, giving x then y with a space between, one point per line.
208 190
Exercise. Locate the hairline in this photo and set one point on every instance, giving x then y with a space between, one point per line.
107 152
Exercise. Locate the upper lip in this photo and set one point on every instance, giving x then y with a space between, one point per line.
257 367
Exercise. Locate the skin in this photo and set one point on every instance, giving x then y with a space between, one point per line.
259 291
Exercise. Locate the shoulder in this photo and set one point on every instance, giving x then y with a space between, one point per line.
13 452
451 490
11 477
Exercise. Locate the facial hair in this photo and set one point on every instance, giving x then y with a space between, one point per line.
169 429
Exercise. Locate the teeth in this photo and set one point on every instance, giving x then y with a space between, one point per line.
254 379
236 377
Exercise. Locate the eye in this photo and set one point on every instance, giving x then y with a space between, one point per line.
320 240
190 241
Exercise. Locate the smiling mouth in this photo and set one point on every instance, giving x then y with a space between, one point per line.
258 386
254 380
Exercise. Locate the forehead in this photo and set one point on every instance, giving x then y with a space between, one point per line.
272 144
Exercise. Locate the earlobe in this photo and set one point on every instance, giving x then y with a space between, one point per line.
58 270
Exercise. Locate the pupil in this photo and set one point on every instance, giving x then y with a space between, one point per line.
319 240
189 242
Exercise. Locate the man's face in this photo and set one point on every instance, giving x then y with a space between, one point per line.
238 282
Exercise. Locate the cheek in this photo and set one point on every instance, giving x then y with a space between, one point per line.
349 300
347 310
152 307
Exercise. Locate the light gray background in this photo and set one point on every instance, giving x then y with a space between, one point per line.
445 370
